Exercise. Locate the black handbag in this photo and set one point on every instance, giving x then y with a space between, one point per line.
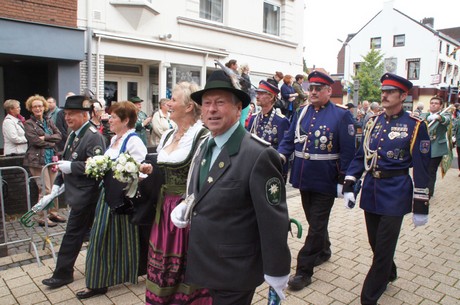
148 191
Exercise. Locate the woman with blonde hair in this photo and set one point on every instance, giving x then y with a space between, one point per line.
42 135
168 244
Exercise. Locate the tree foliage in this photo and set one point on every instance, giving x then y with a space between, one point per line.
305 69
369 73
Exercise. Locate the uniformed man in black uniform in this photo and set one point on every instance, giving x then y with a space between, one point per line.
394 141
321 136
81 191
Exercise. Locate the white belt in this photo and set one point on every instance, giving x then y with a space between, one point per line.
308 156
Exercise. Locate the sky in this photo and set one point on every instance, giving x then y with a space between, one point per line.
328 20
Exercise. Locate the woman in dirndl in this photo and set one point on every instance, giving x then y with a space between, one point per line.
113 252
168 244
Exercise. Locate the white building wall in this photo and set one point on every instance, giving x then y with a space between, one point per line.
420 42
131 33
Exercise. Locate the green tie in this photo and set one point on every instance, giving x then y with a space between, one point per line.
205 165
69 144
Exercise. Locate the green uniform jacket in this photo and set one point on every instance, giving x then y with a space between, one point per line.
438 132
141 130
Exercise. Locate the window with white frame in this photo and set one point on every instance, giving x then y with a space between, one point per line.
211 10
376 42
441 66
413 68
399 40
271 19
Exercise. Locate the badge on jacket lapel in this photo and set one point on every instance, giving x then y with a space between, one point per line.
273 191
97 150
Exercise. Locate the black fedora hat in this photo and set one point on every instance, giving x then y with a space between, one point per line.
77 102
220 80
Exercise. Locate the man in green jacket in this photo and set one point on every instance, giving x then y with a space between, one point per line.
143 122
438 124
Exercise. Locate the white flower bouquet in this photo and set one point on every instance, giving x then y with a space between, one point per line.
96 167
126 170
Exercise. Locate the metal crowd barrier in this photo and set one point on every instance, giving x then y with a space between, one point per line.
31 233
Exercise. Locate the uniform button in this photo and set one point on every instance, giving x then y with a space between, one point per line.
380 148
381 139
384 130
312 125
195 213
379 157
309 141
314 118
309 132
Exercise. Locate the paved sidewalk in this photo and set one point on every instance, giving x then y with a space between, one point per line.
428 260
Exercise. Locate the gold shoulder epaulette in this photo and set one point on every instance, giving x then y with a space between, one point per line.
342 106
415 116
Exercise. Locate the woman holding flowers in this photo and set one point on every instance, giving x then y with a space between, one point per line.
113 252
168 244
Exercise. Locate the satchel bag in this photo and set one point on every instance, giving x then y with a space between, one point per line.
145 201
115 195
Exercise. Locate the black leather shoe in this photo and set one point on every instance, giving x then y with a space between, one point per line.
321 260
90 293
298 282
56 283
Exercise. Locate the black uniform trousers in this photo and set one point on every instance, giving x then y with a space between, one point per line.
383 233
226 297
317 208
78 224
432 171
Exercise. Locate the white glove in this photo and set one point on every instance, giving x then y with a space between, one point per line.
55 190
65 167
419 219
339 190
42 203
349 200
432 117
178 215
279 283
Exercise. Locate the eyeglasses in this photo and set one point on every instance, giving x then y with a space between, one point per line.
316 88
38 106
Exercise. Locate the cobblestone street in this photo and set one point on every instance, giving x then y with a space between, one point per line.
428 260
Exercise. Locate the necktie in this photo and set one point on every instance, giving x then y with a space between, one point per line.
69 143
205 165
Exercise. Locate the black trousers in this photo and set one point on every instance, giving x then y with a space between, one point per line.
227 297
317 208
77 227
383 234
432 171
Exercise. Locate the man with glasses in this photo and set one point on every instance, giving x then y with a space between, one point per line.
267 124
321 136
394 141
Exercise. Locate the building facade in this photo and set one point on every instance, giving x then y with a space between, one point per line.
427 57
121 48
